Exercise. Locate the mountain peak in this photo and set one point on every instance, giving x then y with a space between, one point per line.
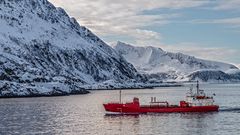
120 43
44 51
175 66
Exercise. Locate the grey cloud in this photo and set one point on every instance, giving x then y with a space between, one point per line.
123 17
204 52
230 22
227 5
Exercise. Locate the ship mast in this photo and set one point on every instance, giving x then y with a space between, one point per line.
120 96
197 87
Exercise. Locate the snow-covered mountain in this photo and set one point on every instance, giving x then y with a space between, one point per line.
45 52
159 64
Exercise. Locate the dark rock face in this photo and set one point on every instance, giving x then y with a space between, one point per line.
45 52
209 75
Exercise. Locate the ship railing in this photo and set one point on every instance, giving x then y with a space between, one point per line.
159 103
112 102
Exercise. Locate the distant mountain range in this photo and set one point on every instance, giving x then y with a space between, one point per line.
158 64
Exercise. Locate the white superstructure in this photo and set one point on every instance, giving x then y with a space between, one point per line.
199 98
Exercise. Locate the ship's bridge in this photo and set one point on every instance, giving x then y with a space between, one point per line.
199 98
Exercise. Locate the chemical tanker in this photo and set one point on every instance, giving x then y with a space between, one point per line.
195 102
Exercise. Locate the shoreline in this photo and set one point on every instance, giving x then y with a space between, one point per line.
137 88
84 91
46 95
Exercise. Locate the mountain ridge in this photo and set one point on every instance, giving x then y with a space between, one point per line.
157 63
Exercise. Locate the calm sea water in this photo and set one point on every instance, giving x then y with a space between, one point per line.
84 114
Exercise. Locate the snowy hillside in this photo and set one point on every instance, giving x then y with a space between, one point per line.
45 52
214 76
159 64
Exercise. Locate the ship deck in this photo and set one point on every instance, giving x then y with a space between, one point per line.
159 106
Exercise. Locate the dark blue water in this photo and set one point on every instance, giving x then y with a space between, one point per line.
84 114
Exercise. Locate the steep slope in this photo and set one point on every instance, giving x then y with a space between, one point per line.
45 52
212 76
159 64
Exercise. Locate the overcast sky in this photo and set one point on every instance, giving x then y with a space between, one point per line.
207 29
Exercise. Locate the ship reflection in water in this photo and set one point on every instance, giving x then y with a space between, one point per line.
163 123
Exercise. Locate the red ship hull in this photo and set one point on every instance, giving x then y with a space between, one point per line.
129 108
195 102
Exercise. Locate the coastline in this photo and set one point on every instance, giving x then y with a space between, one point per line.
88 90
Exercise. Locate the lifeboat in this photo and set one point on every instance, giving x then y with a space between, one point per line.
194 102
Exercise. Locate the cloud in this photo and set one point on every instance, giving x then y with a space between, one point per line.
224 6
232 22
124 17
227 5
210 53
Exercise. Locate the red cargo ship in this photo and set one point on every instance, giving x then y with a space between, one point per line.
195 102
